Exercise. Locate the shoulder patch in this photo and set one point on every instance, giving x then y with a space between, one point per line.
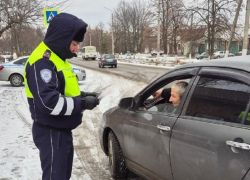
46 75
47 54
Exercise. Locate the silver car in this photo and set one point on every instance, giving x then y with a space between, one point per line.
80 73
13 71
202 55
207 137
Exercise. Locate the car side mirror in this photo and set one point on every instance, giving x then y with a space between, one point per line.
127 103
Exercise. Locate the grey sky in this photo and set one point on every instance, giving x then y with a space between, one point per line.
93 11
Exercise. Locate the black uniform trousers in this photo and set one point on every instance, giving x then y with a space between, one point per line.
56 151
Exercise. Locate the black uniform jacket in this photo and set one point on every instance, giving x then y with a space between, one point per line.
49 105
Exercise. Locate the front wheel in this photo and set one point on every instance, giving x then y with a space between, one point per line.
117 165
16 80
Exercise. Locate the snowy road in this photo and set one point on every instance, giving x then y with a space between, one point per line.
19 158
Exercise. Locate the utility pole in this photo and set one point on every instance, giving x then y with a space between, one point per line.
112 30
233 28
90 38
245 39
158 34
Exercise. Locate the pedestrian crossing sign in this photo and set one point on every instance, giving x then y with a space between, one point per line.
49 14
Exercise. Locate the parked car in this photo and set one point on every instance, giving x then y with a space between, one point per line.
240 53
80 73
221 54
107 60
154 53
207 137
13 71
202 55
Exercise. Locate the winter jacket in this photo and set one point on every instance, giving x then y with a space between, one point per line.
51 86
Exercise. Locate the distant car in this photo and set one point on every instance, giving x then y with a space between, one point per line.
202 55
80 73
240 53
206 137
221 54
154 53
13 71
107 60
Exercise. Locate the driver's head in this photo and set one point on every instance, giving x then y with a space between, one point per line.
177 91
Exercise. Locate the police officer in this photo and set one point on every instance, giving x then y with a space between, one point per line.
55 100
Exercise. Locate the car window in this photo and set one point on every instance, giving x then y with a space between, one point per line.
21 61
219 99
163 103
109 56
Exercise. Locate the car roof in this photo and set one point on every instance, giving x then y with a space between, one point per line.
21 57
236 62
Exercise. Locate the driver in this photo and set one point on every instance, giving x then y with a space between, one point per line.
172 95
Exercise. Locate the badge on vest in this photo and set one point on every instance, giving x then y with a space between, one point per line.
47 54
46 75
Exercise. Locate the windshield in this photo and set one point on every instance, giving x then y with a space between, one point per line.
109 56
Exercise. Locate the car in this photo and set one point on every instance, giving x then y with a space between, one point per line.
13 71
154 53
202 55
240 53
107 60
221 54
207 137
80 73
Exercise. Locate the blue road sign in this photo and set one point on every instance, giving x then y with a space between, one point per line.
49 14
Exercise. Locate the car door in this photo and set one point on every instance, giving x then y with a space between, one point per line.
211 138
19 65
146 133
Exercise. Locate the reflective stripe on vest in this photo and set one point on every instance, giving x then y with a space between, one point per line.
71 88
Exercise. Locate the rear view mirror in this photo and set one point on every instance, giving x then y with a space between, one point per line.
127 103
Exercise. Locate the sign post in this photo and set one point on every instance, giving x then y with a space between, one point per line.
49 14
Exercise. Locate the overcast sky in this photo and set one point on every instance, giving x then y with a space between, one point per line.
93 11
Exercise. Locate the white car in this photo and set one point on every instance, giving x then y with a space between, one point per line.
154 53
221 54
13 71
80 73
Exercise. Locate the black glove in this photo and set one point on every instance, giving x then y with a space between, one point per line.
90 102
85 94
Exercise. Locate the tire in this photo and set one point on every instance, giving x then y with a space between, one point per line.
16 80
117 165
115 66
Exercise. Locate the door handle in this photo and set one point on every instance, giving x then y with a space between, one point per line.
244 146
164 128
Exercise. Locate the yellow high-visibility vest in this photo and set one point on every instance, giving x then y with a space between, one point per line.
71 88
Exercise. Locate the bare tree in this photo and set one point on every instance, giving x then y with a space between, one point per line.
215 15
130 20
15 16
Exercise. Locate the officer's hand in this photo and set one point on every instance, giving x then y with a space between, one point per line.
90 102
85 94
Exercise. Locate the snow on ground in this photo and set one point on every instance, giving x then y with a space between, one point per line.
19 158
